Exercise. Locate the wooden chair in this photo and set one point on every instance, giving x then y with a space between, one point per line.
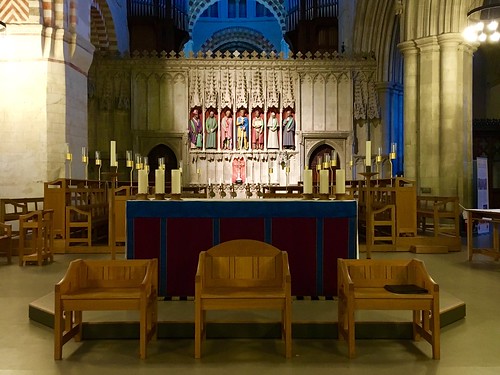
361 287
243 275
35 237
91 285
6 241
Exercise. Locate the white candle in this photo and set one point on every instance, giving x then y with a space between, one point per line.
143 181
308 181
323 181
394 147
176 181
368 153
160 181
112 154
340 181
84 154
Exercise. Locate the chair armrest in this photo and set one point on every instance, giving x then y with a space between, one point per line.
200 270
150 282
422 278
345 283
287 277
77 210
71 280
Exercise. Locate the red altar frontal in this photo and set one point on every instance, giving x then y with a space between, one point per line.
314 233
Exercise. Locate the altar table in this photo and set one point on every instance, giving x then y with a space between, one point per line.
491 216
314 233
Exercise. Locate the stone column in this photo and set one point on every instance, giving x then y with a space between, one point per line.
451 108
465 133
428 102
410 54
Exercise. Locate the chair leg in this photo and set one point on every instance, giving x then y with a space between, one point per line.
198 327
58 331
143 326
436 332
288 329
351 334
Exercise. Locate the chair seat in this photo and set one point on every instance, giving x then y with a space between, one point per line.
258 292
361 293
108 293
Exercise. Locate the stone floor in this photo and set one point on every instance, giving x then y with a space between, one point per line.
469 346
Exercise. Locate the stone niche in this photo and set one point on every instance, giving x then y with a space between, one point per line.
148 100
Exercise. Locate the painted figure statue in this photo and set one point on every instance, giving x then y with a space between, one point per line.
289 131
195 130
257 131
226 128
211 129
242 128
272 136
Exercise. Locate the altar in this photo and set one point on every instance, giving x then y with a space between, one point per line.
314 233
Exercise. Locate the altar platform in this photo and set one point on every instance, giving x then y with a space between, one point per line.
311 319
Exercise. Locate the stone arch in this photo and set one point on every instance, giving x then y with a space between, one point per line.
197 7
103 33
248 39
427 17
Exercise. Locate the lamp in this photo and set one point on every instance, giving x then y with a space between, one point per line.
3 26
483 24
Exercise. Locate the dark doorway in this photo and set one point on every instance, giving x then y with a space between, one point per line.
321 152
162 151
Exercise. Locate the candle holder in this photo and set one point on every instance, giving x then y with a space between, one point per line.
248 191
211 193
222 192
175 197
232 192
340 196
141 197
307 196
324 196
69 158
392 156
159 196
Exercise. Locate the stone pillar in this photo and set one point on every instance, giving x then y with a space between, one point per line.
465 165
43 107
451 108
410 53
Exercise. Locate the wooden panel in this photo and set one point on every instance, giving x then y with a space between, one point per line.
243 268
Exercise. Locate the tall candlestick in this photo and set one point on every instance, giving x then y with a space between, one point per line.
176 181
159 181
323 181
340 181
112 153
143 181
69 156
84 155
308 181
368 153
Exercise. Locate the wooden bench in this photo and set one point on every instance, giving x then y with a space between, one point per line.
243 275
361 287
11 208
91 285
84 222
6 241
444 213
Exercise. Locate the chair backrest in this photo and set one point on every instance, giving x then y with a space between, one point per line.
115 273
377 273
244 263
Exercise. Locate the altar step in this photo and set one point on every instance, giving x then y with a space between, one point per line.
310 320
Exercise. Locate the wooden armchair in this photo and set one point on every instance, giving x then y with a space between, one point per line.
361 286
243 275
91 285
6 241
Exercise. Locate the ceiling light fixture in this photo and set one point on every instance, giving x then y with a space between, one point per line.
483 24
